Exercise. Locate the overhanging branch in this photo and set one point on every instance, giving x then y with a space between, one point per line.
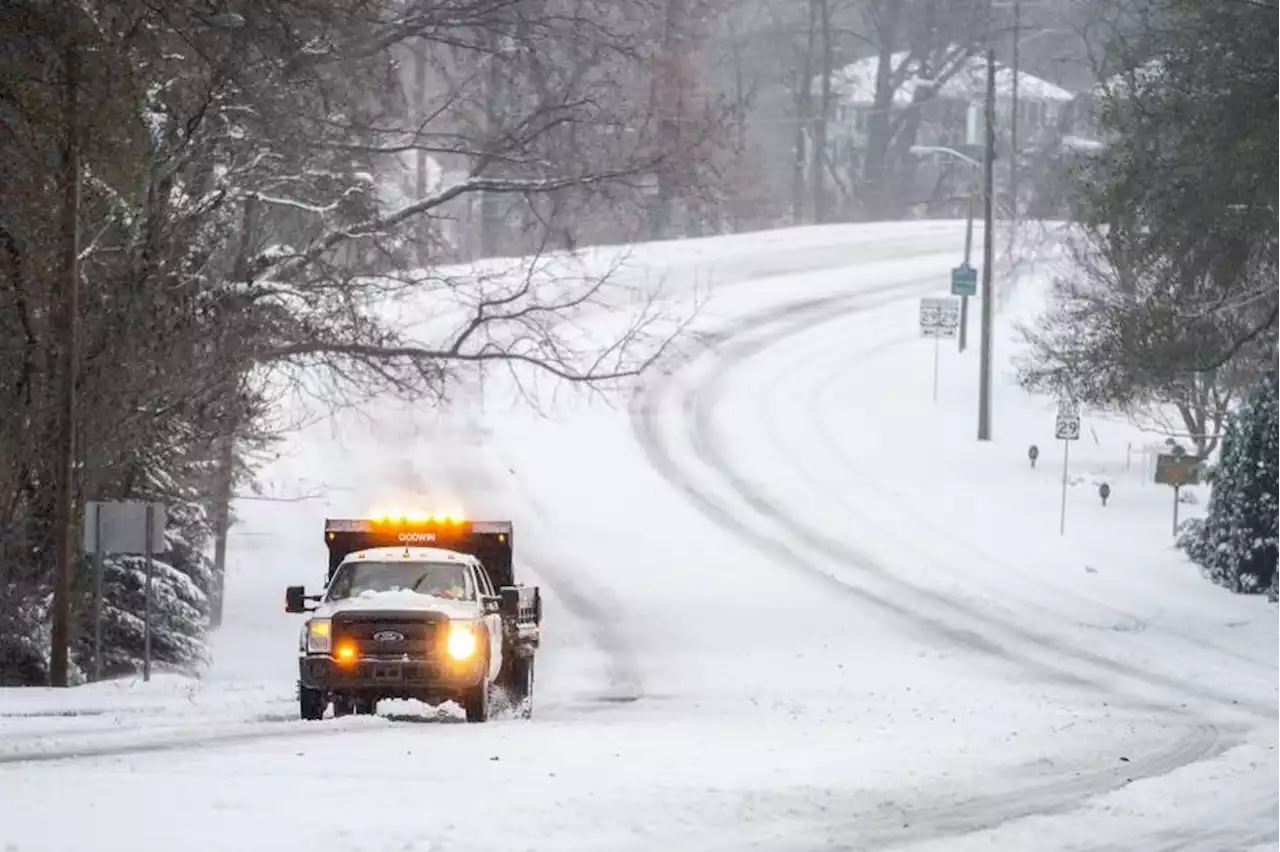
295 264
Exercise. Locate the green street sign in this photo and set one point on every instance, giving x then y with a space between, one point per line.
964 280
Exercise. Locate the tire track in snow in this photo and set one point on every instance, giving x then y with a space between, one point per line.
180 738
701 399
904 822
588 604
1204 740
1234 827
624 684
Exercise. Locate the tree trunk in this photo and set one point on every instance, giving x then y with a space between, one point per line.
879 124
490 213
823 114
804 114
64 326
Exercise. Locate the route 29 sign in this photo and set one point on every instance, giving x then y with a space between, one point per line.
1066 426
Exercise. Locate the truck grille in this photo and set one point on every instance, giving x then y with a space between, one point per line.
380 635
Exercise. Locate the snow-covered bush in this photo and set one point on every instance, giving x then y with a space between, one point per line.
182 578
1235 544
24 637
179 617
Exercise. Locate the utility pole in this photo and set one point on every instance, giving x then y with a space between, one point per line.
66 332
988 192
225 471
968 252
1013 118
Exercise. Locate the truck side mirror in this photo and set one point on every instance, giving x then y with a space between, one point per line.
295 599
491 604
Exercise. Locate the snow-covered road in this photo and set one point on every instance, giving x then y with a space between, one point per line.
791 604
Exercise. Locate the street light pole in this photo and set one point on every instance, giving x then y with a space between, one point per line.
968 251
988 252
1013 115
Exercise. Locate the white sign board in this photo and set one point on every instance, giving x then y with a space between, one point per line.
1066 426
939 316
121 527
975 125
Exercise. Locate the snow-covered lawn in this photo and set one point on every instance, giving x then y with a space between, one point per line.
791 603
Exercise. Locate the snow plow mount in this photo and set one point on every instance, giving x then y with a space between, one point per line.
521 610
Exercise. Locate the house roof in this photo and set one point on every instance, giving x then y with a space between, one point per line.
855 83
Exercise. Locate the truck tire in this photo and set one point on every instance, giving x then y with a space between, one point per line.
311 703
476 702
343 705
366 706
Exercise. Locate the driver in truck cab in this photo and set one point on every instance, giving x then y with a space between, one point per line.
446 587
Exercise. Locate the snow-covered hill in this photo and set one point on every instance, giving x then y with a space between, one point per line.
791 603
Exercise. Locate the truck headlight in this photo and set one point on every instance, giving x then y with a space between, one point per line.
319 635
462 640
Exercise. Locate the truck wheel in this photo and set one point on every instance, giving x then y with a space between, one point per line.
366 706
311 703
476 702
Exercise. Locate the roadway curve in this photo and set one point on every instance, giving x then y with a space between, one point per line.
1201 722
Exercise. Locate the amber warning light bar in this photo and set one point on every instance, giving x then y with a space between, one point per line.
404 525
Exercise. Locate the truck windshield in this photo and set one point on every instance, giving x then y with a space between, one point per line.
442 579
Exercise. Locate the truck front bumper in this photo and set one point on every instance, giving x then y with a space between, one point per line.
367 677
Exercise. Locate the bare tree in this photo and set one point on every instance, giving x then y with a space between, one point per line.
236 220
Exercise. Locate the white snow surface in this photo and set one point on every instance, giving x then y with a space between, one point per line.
790 604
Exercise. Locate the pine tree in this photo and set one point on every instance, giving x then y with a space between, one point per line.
181 579
1236 543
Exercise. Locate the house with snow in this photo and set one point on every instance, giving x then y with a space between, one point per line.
938 102
955 93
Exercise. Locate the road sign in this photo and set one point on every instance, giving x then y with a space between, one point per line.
964 280
939 316
1177 470
1066 426
121 527
1067 429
